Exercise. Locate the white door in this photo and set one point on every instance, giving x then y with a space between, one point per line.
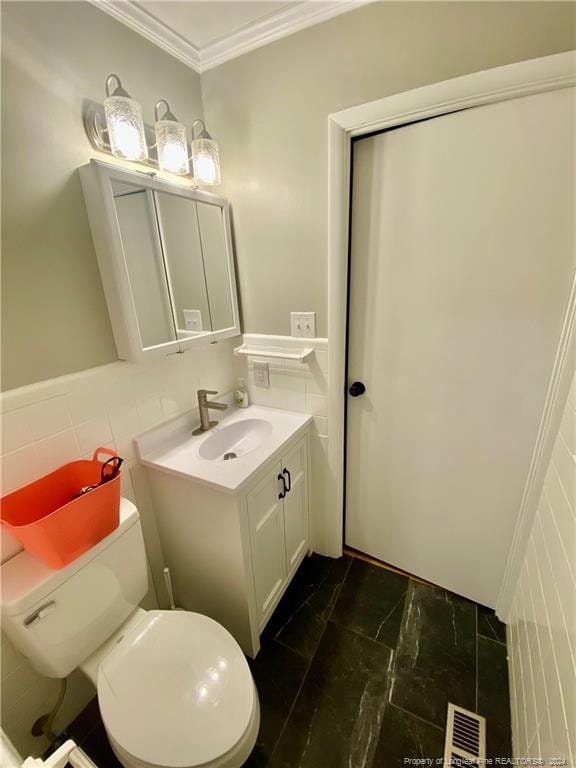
462 253
267 533
294 469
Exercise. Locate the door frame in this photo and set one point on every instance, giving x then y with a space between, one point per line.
486 87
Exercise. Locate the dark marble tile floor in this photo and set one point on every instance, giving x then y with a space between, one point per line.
435 659
356 669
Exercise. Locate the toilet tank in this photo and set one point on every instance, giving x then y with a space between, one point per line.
58 618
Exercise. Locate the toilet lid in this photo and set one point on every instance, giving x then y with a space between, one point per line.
177 690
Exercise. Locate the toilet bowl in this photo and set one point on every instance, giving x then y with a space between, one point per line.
176 692
174 688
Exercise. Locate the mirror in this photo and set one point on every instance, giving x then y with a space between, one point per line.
178 221
213 238
143 253
165 256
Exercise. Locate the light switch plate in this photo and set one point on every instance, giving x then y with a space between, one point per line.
193 320
261 374
303 324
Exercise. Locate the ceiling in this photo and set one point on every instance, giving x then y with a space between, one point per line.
202 23
204 34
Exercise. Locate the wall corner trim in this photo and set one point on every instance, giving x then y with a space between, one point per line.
560 380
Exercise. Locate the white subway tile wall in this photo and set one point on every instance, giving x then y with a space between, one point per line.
542 625
300 387
47 424
26 696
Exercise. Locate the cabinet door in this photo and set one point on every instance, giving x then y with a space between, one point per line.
295 469
267 534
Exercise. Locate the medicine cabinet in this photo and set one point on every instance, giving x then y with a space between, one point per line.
165 256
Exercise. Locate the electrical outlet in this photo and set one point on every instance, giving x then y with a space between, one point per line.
303 324
192 320
261 374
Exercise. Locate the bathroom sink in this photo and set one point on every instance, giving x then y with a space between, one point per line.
227 456
235 440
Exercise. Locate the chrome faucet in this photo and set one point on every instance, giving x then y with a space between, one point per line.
204 406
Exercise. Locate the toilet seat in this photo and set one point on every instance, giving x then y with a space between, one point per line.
177 691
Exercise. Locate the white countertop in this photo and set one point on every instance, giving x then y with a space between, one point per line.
172 447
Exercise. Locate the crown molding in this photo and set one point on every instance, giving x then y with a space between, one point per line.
273 27
248 38
141 21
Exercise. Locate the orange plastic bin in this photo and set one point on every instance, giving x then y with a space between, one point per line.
53 522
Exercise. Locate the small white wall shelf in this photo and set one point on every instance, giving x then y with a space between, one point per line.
298 354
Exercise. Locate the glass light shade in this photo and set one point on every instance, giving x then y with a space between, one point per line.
206 161
125 128
172 147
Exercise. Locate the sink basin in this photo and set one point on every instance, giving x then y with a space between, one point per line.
235 440
226 457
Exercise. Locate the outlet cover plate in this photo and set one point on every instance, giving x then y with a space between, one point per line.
193 320
303 324
261 374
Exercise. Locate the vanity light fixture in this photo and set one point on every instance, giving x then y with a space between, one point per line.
125 136
124 123
205 157
171 143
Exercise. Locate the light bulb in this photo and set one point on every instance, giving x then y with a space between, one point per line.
205 158
124 123
171 142
206 166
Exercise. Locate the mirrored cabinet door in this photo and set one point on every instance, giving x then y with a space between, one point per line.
215 251
135 210
178 221
165 257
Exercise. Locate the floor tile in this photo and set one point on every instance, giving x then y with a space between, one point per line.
98 748
299 619
302 631
405 737
435 659
494 697
490 626
278 674
336 718
86 722
371 602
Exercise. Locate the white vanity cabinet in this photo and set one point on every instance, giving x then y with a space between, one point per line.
232 554
277 509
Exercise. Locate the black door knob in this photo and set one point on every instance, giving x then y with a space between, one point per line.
357 389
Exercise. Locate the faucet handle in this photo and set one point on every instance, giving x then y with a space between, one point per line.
207 392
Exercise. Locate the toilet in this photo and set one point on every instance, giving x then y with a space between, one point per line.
174 688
